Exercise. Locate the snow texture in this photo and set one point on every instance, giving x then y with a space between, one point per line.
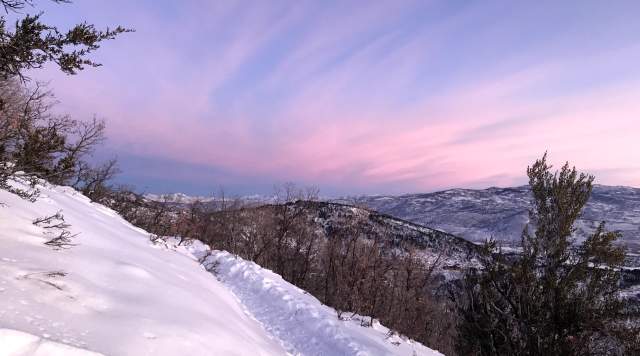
17 343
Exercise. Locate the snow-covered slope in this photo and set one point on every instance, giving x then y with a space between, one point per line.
502 213
112 292
14 342
115 293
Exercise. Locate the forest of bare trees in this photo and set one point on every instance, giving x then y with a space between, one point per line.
39 143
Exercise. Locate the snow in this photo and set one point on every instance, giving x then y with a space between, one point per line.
303 324
502 213
115 293
178 198
15 343
112 293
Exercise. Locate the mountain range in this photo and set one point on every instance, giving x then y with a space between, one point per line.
503 213
479 214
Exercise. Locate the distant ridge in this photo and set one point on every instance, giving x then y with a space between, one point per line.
502 213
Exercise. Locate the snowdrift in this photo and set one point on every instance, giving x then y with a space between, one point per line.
115 293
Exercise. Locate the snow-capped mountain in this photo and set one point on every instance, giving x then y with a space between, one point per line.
177 198
502 213
184 199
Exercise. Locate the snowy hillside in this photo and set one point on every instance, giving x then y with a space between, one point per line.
454 252
111 291
502 212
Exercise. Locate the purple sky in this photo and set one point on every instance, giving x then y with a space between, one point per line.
360 97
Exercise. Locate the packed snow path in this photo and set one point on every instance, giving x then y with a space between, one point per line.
303 324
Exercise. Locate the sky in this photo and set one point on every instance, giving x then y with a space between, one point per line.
358 97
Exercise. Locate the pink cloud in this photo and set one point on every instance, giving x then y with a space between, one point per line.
333 106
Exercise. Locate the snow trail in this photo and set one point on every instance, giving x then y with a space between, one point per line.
303 324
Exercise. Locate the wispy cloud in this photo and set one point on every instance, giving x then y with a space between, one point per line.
393 96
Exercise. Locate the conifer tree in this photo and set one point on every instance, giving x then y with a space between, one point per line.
30 43
558 297
32 140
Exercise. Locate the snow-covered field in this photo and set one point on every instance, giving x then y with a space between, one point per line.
115 293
